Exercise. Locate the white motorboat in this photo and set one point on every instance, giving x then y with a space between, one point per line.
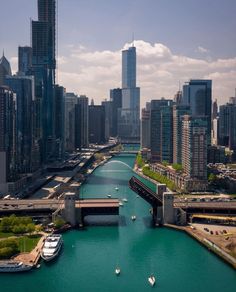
13 267
117 271
121 204
125 200
109 196
133 217
52 246
152 280
117 189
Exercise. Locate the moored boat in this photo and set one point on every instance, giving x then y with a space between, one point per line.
14 267
117 271
133 217
52 246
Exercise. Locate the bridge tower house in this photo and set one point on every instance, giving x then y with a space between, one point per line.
168 208
69 209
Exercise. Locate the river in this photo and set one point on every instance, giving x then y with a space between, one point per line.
89 257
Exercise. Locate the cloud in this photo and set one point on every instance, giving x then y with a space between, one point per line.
159 71
202 50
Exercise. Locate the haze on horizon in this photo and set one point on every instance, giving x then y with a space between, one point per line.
175 42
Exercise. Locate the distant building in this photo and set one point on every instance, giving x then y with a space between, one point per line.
23 87
198 95
178 112
59 121
216 154
129 114
214 109
161 125
108 118
5 69
227 128
116 100
145 126
70 102
7 138
194 147
24 60
96 124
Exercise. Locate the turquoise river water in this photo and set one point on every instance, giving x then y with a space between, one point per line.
89 257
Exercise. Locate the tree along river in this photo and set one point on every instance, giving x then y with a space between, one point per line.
89 257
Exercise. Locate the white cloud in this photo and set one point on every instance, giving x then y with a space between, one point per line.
159 71
202 50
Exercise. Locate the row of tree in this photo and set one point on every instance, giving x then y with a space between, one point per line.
17 225
8 248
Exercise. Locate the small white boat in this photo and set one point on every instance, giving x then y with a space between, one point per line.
125 200
117 271
121 204
137 196
152 280
117 189
109 196
133 217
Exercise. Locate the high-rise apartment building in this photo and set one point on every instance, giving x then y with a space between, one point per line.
108 118
178 112
83 102
198 95
129 115
145 126
194 147
161 124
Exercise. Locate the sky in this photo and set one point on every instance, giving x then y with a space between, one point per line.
176 40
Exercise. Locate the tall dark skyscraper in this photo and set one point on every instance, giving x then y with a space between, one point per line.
7 138
43 68
23 87
96 124
116 99
161 126
129 115
197 94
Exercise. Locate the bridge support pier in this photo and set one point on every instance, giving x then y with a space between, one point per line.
157 215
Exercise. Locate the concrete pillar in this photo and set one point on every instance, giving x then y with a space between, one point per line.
160 189
168 208
70 211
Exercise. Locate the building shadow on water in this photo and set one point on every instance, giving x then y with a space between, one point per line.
147 221
100 220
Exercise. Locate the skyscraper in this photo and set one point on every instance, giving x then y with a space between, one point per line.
24 60
7 138
129 115
194 147
5 69
23 87
161 130
116 99
197 94
43 68
145 126
96 124
178 112
84 119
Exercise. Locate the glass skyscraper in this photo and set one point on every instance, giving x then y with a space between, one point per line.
129 114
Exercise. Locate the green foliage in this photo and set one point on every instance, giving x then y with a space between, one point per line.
8 248
139 160
165 163
212 177
17 225
160 178
27 243
59 222
99 156
177 166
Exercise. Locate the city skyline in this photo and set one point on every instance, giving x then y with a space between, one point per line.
162 60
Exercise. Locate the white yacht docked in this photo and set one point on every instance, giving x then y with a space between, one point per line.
52 246
13 267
